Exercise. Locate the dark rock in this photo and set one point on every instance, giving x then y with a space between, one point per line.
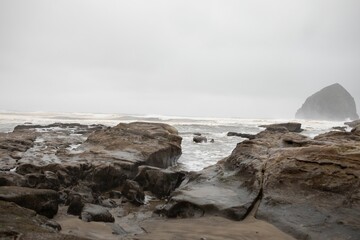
96 213
76 205
22 223
330 103
199 139
212 140
108 203
12 179
106 176
43 201
180 209
353 123
115 194
291 127
339 128
47 180
133 192
197 134
243 135
161 182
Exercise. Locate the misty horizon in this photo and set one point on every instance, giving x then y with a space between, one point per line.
248 59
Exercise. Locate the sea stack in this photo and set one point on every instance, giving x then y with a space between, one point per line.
333 103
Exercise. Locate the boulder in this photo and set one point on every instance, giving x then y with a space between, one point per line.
76 204
290 126
96 213
199 139
43 201
138 143
242 135
133 192
12 179
333 102
161 182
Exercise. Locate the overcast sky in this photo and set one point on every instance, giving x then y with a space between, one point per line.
251 59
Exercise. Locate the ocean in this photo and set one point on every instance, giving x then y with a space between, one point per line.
196 156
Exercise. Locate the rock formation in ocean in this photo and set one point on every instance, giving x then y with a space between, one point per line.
333 102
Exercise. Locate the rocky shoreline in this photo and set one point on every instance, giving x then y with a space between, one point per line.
73 181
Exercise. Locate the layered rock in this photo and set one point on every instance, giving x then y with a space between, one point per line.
22 223
333 102
43 201
76 164
308 188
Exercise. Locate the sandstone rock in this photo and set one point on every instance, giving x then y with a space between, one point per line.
291 127
308 188
353 123
199 139
12 179
13 146
21 223
243 135
47 180
96 213
43 201
106 176
132 191
76 205
331 103
139 143
160 182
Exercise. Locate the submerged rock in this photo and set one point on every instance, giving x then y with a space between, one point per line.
290 126
330 103
243 135
199 139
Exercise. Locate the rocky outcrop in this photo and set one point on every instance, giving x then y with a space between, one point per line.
331 103
22 223
42 201
353 123
161 182
291 127
308 188
138 143
75 165
242 135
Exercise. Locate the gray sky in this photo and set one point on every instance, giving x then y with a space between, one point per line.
253 59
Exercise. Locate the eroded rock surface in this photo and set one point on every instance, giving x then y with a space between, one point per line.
308 188
75 165
43 201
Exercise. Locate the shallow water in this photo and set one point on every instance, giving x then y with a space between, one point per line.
195 156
